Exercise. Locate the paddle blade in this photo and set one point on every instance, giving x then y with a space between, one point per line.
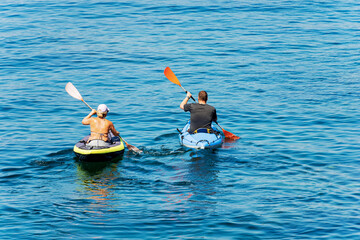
72 91
133 148
171 76
229 135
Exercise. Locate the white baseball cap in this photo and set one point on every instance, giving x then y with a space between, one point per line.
103 108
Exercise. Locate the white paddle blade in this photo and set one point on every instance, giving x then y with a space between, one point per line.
72 91
133 148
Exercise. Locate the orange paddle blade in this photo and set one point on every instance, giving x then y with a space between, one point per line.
230 135
171 76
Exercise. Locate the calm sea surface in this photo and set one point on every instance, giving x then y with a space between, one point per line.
283 75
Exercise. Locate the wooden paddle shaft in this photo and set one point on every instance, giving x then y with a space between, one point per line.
86 103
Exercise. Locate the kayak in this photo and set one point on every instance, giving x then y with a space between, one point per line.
99 154
202 139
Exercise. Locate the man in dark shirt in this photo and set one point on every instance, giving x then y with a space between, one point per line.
201 114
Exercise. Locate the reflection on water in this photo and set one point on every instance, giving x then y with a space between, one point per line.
229 143
96 181
194 184
203 173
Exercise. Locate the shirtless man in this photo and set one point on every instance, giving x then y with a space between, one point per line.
99 127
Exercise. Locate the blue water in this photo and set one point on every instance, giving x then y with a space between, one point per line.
283 75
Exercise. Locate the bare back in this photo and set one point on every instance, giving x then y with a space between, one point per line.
100 128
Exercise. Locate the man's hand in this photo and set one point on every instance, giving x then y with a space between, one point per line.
188 94
93 112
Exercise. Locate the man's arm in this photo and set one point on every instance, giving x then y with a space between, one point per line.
113 130
188 96
87 119
215 116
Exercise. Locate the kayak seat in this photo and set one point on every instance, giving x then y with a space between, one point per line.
203 130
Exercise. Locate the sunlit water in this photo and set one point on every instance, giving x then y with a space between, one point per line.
283 75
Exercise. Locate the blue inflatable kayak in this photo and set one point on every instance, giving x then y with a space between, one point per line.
202 139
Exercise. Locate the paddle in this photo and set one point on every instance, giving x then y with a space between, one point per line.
171 76
72 91
228 134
